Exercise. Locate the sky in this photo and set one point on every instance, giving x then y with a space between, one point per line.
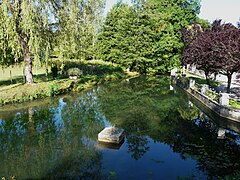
227 10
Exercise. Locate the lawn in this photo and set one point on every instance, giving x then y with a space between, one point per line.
14 90
16 74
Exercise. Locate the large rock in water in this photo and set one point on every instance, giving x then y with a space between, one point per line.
111 135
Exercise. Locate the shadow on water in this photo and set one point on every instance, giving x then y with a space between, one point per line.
59 139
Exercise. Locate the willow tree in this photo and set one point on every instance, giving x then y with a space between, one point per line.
27 27
79 24
25 24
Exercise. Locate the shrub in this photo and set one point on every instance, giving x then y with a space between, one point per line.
54 70
75 72
53 90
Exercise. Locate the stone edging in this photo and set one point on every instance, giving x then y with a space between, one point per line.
223 111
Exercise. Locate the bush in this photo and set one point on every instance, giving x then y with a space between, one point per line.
54 70
53 90
75 72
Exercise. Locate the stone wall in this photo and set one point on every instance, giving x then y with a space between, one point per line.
223 111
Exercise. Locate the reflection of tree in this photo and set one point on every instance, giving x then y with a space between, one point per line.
143 106
51 142
146 107
82 115
188 113
137 145
198 140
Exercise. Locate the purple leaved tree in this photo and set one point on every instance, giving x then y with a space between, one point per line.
213 49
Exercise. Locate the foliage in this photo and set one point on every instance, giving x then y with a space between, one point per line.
22 93
53 90
145 36
34 136
58 138
212 95
90 67
213 49
200 80
74 72
77 28
26 31
54 71
189 113
33 29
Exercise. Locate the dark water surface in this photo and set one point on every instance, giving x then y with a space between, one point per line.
167 136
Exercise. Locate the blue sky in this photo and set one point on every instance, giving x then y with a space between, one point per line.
227 10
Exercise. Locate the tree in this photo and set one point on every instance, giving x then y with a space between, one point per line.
214 49
76 34
145 36
26 25
227 49
198 43
27 28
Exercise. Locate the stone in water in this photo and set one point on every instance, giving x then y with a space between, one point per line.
111 135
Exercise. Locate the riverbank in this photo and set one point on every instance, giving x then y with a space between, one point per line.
224 111
49 87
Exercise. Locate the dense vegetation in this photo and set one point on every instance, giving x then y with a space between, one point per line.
146 36
89 74
143 36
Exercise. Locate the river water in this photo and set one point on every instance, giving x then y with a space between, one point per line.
167 135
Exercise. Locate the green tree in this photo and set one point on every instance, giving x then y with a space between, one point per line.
76 34
27 27
145 36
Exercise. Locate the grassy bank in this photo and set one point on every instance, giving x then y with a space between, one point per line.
13 90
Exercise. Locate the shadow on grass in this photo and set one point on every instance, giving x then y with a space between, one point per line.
98 69
88 67
199 80
15 80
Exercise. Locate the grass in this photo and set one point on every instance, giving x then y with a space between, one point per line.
17 72
200 80
94 72
214 96
234 104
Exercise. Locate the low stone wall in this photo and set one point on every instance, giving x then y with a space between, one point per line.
223 111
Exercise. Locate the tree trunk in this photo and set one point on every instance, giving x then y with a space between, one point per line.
207 79
27 60
229 76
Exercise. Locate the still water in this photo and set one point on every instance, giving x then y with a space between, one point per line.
167 136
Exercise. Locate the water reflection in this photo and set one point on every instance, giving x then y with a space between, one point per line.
167 118
52 142
163 129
